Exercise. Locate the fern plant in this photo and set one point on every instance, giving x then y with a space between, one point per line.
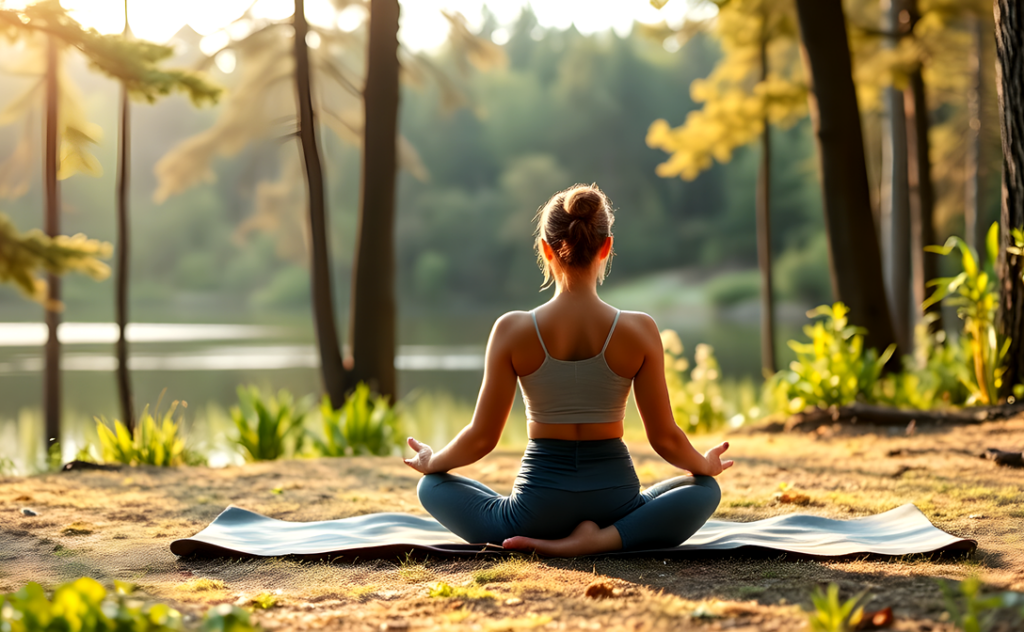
268 428
365 424
158 442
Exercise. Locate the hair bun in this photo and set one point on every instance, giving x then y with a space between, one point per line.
583 203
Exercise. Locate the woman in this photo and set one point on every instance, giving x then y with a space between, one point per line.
575 358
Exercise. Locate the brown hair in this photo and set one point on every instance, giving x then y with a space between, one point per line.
575 222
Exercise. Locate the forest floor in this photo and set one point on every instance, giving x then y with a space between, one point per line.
118 525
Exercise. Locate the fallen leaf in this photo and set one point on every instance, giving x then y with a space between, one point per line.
876 619
602 590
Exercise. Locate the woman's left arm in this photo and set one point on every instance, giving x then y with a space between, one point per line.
492 408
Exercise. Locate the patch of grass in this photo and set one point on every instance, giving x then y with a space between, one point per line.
443 590
742 502
529 622
60 551
77 528
506 570
264 601
201 584
748 592
361 592
412 571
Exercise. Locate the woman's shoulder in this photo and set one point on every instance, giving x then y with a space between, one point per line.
638 327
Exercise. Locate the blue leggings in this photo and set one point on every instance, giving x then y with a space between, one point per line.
563 483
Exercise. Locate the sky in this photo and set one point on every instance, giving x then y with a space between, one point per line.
422 28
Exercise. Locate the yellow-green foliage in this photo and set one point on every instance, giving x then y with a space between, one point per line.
931 378
831 615
159 443
971 611
973 292
365 424
833 368
82 606
736 100
24 255
270 429
202 584
504 571
703 402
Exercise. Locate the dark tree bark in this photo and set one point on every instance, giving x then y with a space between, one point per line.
124 384
51 374
331 367
894 214
373 288
853 242
925 265
1009 19
764 237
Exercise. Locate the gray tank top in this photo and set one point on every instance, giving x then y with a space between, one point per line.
575 391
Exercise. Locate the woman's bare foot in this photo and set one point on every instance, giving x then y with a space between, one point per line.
586 539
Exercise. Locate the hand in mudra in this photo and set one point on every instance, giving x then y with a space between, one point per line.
421 461
714 459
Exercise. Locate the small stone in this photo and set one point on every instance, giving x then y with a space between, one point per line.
400 624
28 512
513 601
976 516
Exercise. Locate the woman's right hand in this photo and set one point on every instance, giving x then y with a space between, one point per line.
714 458
420 462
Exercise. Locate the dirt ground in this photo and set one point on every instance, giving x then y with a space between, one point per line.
118 525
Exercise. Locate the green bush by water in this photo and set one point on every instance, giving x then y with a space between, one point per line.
832 369
269 427
365 424
84 606
160 443
733 288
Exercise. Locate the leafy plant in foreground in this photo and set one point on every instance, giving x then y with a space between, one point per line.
268 429
365 424
971 611
833 368
84 606
974 295
832 615
154 442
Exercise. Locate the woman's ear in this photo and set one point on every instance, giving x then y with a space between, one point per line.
549 253
606 248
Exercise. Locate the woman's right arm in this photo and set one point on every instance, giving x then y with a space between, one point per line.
652 400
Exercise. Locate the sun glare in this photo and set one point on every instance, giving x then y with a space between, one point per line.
423 27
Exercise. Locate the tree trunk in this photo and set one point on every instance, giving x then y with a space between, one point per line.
51 375
764 237
124 384
373 288
1009 18
331 367
925 265
973 231
853 242
894 214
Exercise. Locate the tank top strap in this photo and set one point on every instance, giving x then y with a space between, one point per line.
537 328
610 331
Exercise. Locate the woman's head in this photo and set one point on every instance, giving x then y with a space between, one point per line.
575 223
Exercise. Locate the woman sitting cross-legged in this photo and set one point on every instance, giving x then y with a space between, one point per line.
575 358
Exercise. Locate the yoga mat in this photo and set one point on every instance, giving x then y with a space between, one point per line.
901 531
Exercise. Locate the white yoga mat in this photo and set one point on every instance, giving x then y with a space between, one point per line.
901 531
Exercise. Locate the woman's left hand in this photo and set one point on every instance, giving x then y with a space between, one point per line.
420 462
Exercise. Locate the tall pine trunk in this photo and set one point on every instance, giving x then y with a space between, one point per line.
764 236
373 288
853 242
1009 19
894 211
973 230
925 265
331 367
124 384
51 375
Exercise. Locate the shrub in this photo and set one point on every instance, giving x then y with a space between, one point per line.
153 442
802 274
832 369
726 290
270 427
365 424
973 292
